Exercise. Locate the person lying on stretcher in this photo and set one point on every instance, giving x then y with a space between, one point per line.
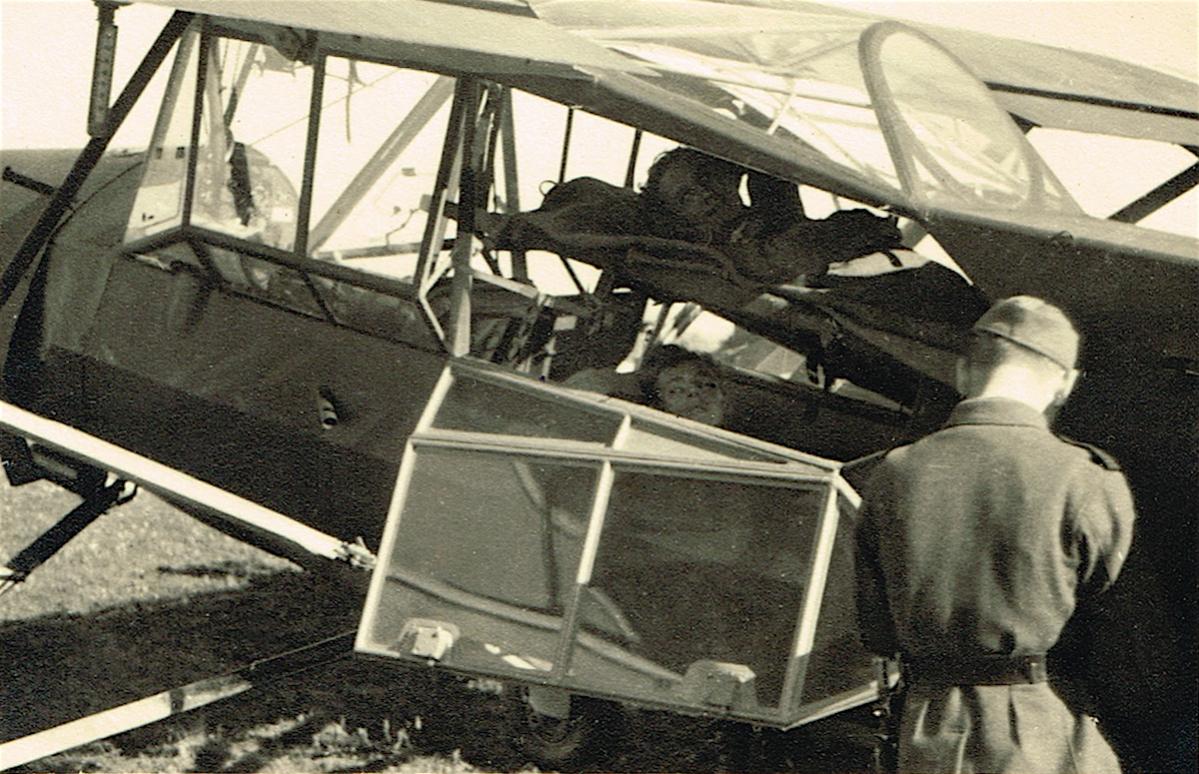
695 197
691 210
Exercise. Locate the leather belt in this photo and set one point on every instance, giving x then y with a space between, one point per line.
983 670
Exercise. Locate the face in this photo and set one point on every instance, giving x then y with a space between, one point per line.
698 201
691 391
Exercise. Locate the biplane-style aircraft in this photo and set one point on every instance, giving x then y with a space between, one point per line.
331 308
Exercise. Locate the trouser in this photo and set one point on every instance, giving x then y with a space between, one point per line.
1023 728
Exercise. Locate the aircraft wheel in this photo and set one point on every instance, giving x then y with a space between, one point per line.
583 737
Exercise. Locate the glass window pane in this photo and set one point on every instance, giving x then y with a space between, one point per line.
701 570
488 544
478 406
380 314
838 662
485 523
382 130
253 135
647 438
962 145
159 201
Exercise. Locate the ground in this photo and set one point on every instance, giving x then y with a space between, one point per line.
146 599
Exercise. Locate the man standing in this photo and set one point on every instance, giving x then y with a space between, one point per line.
978 544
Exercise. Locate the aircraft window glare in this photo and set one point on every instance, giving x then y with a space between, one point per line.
746 543
838 662
659 439
846 134
514 533
478 406
978 147
801 107
158 204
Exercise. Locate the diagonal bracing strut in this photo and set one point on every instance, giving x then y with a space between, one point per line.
160 706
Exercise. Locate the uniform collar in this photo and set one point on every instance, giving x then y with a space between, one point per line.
996 411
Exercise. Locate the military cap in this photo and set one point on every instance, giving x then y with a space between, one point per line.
1033 324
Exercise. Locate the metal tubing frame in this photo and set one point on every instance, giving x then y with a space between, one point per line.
239 85
805 632
300 244
520 265
460 287
602 494
102 65
62 532
193 143
448 171
1064 96
377 283
566 136
39 235
634 152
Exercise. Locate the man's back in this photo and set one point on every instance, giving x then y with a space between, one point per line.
985 529
976 545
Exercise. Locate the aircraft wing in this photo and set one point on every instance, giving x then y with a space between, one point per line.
770 42
1062 89
438 36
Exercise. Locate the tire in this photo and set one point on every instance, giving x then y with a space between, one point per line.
584 739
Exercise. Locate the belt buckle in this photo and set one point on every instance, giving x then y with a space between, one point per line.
1035 671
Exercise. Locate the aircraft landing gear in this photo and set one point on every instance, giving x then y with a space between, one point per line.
580 731
95 504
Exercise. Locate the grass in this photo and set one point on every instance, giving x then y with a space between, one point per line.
146 599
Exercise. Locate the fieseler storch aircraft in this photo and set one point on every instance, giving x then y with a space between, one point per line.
334 308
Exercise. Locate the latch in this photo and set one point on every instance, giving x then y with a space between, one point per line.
720 684
427 638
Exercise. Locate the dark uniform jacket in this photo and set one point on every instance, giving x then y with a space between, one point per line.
980 540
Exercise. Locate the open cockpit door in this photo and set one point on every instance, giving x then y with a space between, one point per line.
564 539
948 137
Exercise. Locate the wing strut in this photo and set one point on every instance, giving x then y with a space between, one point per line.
285 535
1159 197
175 701
49 542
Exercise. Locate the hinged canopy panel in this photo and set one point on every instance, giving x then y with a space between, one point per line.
558 538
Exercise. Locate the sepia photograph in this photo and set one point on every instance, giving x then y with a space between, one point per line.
599 385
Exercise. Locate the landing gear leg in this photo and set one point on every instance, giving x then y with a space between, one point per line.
49 542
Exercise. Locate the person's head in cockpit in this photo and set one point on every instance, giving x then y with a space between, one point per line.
684 383
693 196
